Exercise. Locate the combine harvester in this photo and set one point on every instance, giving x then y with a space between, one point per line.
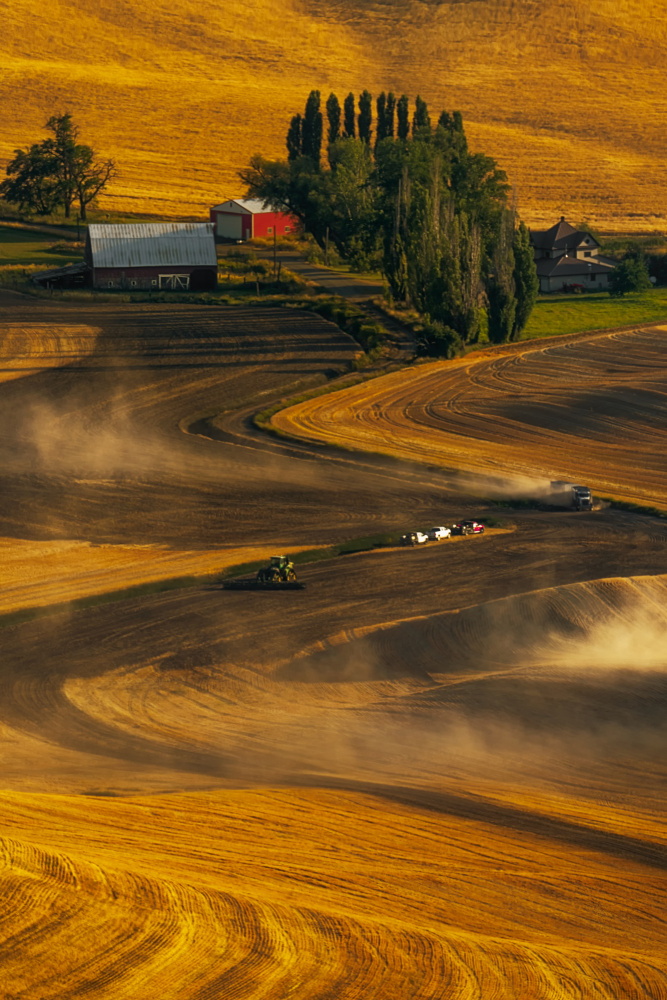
278 575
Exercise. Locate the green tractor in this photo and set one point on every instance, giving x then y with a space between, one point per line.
278 575
279 571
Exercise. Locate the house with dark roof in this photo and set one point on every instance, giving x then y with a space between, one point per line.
567 257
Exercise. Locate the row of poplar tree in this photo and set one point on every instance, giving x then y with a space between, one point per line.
404 194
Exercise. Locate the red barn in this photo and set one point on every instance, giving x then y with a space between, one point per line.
245 218
154 255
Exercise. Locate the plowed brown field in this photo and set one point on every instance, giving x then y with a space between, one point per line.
568 97
432 774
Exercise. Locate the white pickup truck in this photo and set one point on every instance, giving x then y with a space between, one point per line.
437 534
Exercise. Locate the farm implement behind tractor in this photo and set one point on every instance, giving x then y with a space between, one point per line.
278 575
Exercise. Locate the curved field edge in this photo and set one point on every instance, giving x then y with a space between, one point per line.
355 422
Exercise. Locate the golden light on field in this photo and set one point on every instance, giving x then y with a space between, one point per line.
573 408
35 574
27 348
432 773
257 898
568 97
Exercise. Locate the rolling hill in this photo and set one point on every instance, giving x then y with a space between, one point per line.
568 97
431 773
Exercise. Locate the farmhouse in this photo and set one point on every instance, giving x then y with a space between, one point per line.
156 255
246 218
566 257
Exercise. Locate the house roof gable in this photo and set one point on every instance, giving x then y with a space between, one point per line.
562 236
250 206
570 266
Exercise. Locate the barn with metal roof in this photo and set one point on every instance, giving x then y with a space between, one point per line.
241 219
156 255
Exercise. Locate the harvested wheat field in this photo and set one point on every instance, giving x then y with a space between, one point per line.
588 407
433 773
568 97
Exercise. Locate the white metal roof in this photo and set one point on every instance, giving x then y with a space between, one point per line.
251 205
152 244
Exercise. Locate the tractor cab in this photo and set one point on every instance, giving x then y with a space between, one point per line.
279 570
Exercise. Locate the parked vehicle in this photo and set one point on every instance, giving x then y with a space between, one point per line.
437 534
468 528
414 538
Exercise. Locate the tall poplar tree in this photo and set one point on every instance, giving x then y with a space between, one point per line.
403 116
349 117
390 111
381 120
421 121
294 138
526 282
333 118
311 129
365 116
500 285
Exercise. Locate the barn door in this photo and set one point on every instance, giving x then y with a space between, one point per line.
175 282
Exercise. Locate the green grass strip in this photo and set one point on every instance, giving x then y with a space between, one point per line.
366 544
636 508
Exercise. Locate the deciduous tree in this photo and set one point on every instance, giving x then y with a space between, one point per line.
32 180
631 275
90 176
56 171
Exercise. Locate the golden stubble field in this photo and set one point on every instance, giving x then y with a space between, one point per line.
568 97
588 408
432 774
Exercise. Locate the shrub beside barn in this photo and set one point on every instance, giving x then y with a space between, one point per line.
156 255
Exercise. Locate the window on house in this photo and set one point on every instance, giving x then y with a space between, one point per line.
587 253
593 277
111 284
154 281
134 284
287 229
270 230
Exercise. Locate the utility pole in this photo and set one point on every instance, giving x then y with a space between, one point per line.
275 271
326 248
